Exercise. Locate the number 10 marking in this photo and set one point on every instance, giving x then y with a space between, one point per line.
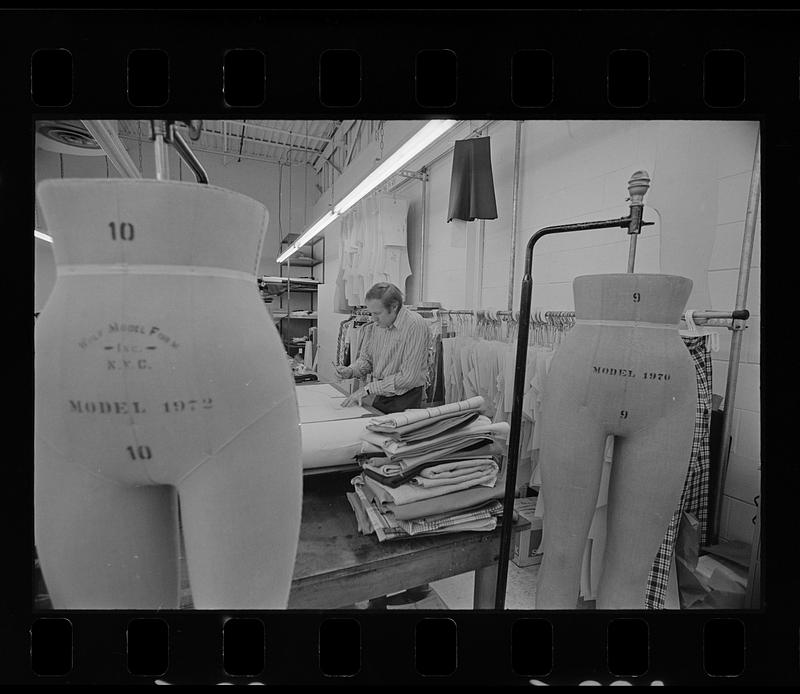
125 231
139 453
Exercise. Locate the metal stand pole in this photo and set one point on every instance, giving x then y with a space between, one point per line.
736 343
161 154
519 378
420 292
514 206
637 187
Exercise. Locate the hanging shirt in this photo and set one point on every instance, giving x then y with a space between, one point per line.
397 356
357 333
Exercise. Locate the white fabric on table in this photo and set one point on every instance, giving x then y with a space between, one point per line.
323 403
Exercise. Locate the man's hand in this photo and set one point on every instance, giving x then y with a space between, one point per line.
343 371
354 398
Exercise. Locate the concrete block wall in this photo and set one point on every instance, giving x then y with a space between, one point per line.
734 164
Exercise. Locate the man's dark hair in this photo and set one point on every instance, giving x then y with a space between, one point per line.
390 296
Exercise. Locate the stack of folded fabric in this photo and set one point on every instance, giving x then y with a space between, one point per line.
431 471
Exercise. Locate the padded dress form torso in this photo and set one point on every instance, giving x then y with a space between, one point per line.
157 363
622 370
629 375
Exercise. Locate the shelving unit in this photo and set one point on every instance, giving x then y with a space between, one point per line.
290 291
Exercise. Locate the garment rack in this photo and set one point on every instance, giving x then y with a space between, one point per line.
722 319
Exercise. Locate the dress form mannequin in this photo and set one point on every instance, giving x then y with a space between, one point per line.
159 376
622 370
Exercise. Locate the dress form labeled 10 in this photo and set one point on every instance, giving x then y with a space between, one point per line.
160 378
623 370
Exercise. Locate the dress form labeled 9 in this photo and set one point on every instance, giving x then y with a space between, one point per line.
160 378
623 370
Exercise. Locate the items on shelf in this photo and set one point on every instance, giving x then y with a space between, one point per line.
299 259
276 286
309 315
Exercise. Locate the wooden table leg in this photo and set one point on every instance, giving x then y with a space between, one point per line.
485 587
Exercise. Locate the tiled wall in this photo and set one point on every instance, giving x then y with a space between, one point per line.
733 182
573 171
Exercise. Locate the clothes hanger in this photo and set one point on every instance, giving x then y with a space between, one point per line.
712 341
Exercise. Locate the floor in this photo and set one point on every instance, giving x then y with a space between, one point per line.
455 592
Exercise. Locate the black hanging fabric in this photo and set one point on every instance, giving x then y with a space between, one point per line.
471 182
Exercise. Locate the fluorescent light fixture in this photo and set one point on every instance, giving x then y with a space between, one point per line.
44 237
314 229
423 138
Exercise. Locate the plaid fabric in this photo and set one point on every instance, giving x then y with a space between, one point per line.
387 527
694 498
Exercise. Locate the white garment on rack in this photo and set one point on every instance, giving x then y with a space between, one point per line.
544 359
358 239
452 390
393 266
373 245
393 217
357 333
368 261
485 367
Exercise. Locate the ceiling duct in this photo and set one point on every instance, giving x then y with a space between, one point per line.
67 137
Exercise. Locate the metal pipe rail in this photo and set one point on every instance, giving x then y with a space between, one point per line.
715 318
106 136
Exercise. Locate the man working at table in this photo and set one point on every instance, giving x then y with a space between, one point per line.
395 353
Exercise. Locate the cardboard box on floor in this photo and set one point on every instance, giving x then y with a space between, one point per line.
526 543
717 579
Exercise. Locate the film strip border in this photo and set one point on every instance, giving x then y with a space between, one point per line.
393 62
623 64
303 648
340 76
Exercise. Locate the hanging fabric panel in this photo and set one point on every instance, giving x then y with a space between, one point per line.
471 182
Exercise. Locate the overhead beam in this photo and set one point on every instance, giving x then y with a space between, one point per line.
257 140
267 128
337 136
353 143
195 148
227 129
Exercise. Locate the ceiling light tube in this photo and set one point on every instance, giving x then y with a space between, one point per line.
306 236
44 237
423 138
